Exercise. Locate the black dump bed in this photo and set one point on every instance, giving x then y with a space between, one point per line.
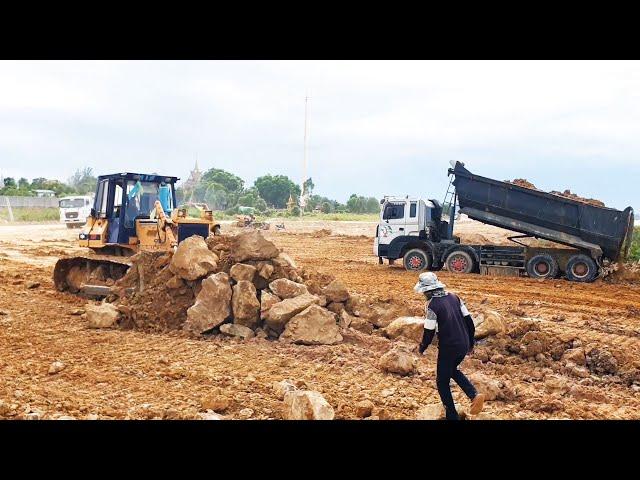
602 231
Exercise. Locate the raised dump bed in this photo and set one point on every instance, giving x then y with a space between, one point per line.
599 231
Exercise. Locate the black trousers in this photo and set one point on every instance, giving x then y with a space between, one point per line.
449 358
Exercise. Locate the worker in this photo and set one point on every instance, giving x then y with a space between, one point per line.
447 315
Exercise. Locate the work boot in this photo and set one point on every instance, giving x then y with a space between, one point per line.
476 404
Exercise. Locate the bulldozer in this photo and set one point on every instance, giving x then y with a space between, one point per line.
132 212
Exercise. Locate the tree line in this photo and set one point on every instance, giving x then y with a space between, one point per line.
222 190
219 189
82 182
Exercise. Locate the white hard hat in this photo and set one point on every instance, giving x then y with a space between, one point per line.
428 281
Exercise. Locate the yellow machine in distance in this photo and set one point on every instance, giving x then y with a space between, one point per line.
132 212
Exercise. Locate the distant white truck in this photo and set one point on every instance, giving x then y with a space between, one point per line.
74 210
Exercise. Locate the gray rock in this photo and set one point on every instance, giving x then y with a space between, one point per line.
213 304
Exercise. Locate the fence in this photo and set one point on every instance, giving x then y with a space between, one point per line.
28 208
28 202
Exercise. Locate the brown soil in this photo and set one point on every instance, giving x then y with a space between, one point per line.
522 182
140 374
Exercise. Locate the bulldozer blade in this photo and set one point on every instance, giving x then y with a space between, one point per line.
102 290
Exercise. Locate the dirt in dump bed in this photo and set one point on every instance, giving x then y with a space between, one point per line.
567 194
522 182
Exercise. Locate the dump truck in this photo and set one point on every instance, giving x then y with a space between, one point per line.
417 231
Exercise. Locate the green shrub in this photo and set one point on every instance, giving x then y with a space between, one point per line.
634 251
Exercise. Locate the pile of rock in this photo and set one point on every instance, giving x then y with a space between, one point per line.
242 286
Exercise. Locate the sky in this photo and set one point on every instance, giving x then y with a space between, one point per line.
375 127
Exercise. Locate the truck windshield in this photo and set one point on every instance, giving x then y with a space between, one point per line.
72 203
393 211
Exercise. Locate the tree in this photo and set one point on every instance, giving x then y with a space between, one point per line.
9 182
372 205
23 184
275 190
326 207
83 181
308 187
230 182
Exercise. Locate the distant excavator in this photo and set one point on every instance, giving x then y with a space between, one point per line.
132 212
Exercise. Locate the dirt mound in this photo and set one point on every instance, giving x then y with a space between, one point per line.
166 297
324 232
622 272
161 299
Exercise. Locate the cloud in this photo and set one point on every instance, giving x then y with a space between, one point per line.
376 127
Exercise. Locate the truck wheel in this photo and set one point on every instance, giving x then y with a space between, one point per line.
416 260
542 266
459 261
581 268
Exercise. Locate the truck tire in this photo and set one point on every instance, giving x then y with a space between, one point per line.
459 261
416 260
542 266
581 268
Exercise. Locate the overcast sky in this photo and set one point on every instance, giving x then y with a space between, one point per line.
376 127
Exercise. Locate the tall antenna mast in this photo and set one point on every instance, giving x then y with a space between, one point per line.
303 200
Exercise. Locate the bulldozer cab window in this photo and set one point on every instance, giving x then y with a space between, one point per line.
117 201
141 198
101 199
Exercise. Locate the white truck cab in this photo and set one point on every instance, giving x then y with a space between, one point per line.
74 210
412 229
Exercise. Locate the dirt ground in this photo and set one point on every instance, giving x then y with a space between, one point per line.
132 374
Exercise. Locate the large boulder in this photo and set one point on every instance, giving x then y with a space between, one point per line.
491 388
601 362
336 292
242 271
267 300
252 246
398 360
306 405
364 408
283 387
434 411
313 326
235 330
213 304
245 303
576 356
408 327
265 270
284 260
376 313
285 288
192 259
105 315
490 322
280 313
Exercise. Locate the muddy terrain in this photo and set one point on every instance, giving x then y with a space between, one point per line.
569 350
